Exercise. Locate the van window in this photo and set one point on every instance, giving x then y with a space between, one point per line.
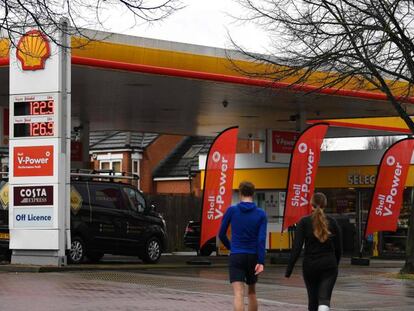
106 196
136 201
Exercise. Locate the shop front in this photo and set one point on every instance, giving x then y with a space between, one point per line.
347 185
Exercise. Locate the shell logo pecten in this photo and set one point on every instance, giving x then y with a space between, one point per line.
33 50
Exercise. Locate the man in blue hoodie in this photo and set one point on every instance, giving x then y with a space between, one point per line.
247 247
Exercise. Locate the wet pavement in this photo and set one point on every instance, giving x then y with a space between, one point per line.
196 288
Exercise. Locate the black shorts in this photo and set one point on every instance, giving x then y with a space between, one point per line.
242 268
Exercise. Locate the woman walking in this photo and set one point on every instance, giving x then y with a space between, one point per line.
322 238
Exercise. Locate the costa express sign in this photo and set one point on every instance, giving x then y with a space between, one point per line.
33 161
33 196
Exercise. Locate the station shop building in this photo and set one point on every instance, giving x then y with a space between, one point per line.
347 178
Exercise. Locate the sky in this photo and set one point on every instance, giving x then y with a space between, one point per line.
210 23
205 22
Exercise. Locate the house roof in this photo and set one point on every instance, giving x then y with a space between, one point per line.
108 140
184 158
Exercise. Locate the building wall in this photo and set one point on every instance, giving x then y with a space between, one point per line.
180 186
157 152
248 146
172 187
185 187
196 185
153 155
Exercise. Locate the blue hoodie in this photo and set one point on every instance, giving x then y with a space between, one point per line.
248 230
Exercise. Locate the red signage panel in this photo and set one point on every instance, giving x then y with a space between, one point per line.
283 142
389 187
218 183
33 161
302 173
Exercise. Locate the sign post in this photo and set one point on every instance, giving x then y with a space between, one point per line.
39 217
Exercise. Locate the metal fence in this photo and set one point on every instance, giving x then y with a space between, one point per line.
177 211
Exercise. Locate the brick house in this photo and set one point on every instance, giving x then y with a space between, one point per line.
132 152
166 164
179 173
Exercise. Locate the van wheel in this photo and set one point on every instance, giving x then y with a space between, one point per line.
77 251
152 252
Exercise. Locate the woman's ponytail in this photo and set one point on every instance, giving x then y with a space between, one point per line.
319 220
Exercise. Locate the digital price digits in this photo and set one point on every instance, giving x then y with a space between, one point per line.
42 108
41 129
34 108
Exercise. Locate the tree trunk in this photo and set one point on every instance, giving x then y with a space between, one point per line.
409 249
409 261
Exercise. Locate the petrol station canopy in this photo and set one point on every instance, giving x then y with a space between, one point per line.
130 83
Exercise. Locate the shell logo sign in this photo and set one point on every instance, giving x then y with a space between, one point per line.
33 50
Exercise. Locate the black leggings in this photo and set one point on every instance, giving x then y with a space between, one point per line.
320 277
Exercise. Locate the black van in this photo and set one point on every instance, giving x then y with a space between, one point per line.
108 218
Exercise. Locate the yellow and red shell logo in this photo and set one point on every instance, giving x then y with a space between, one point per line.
33 50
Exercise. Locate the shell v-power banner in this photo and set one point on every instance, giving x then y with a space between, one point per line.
218 182
302 173
389 188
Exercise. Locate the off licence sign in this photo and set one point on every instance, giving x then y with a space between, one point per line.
33 196
33 161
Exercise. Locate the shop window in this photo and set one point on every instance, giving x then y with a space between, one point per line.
341 201
135 171
105 165
393 244
135 167
115 165
272 202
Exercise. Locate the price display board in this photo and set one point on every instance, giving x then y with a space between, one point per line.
34 129
34 117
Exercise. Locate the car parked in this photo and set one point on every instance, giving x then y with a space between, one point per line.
192 239
108 217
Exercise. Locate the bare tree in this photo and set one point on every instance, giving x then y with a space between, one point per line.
18 15
367 44
381 142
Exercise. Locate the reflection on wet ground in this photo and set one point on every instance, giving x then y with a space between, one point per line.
198 288
358 288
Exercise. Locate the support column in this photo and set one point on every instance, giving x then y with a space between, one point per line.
302 118
85 144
